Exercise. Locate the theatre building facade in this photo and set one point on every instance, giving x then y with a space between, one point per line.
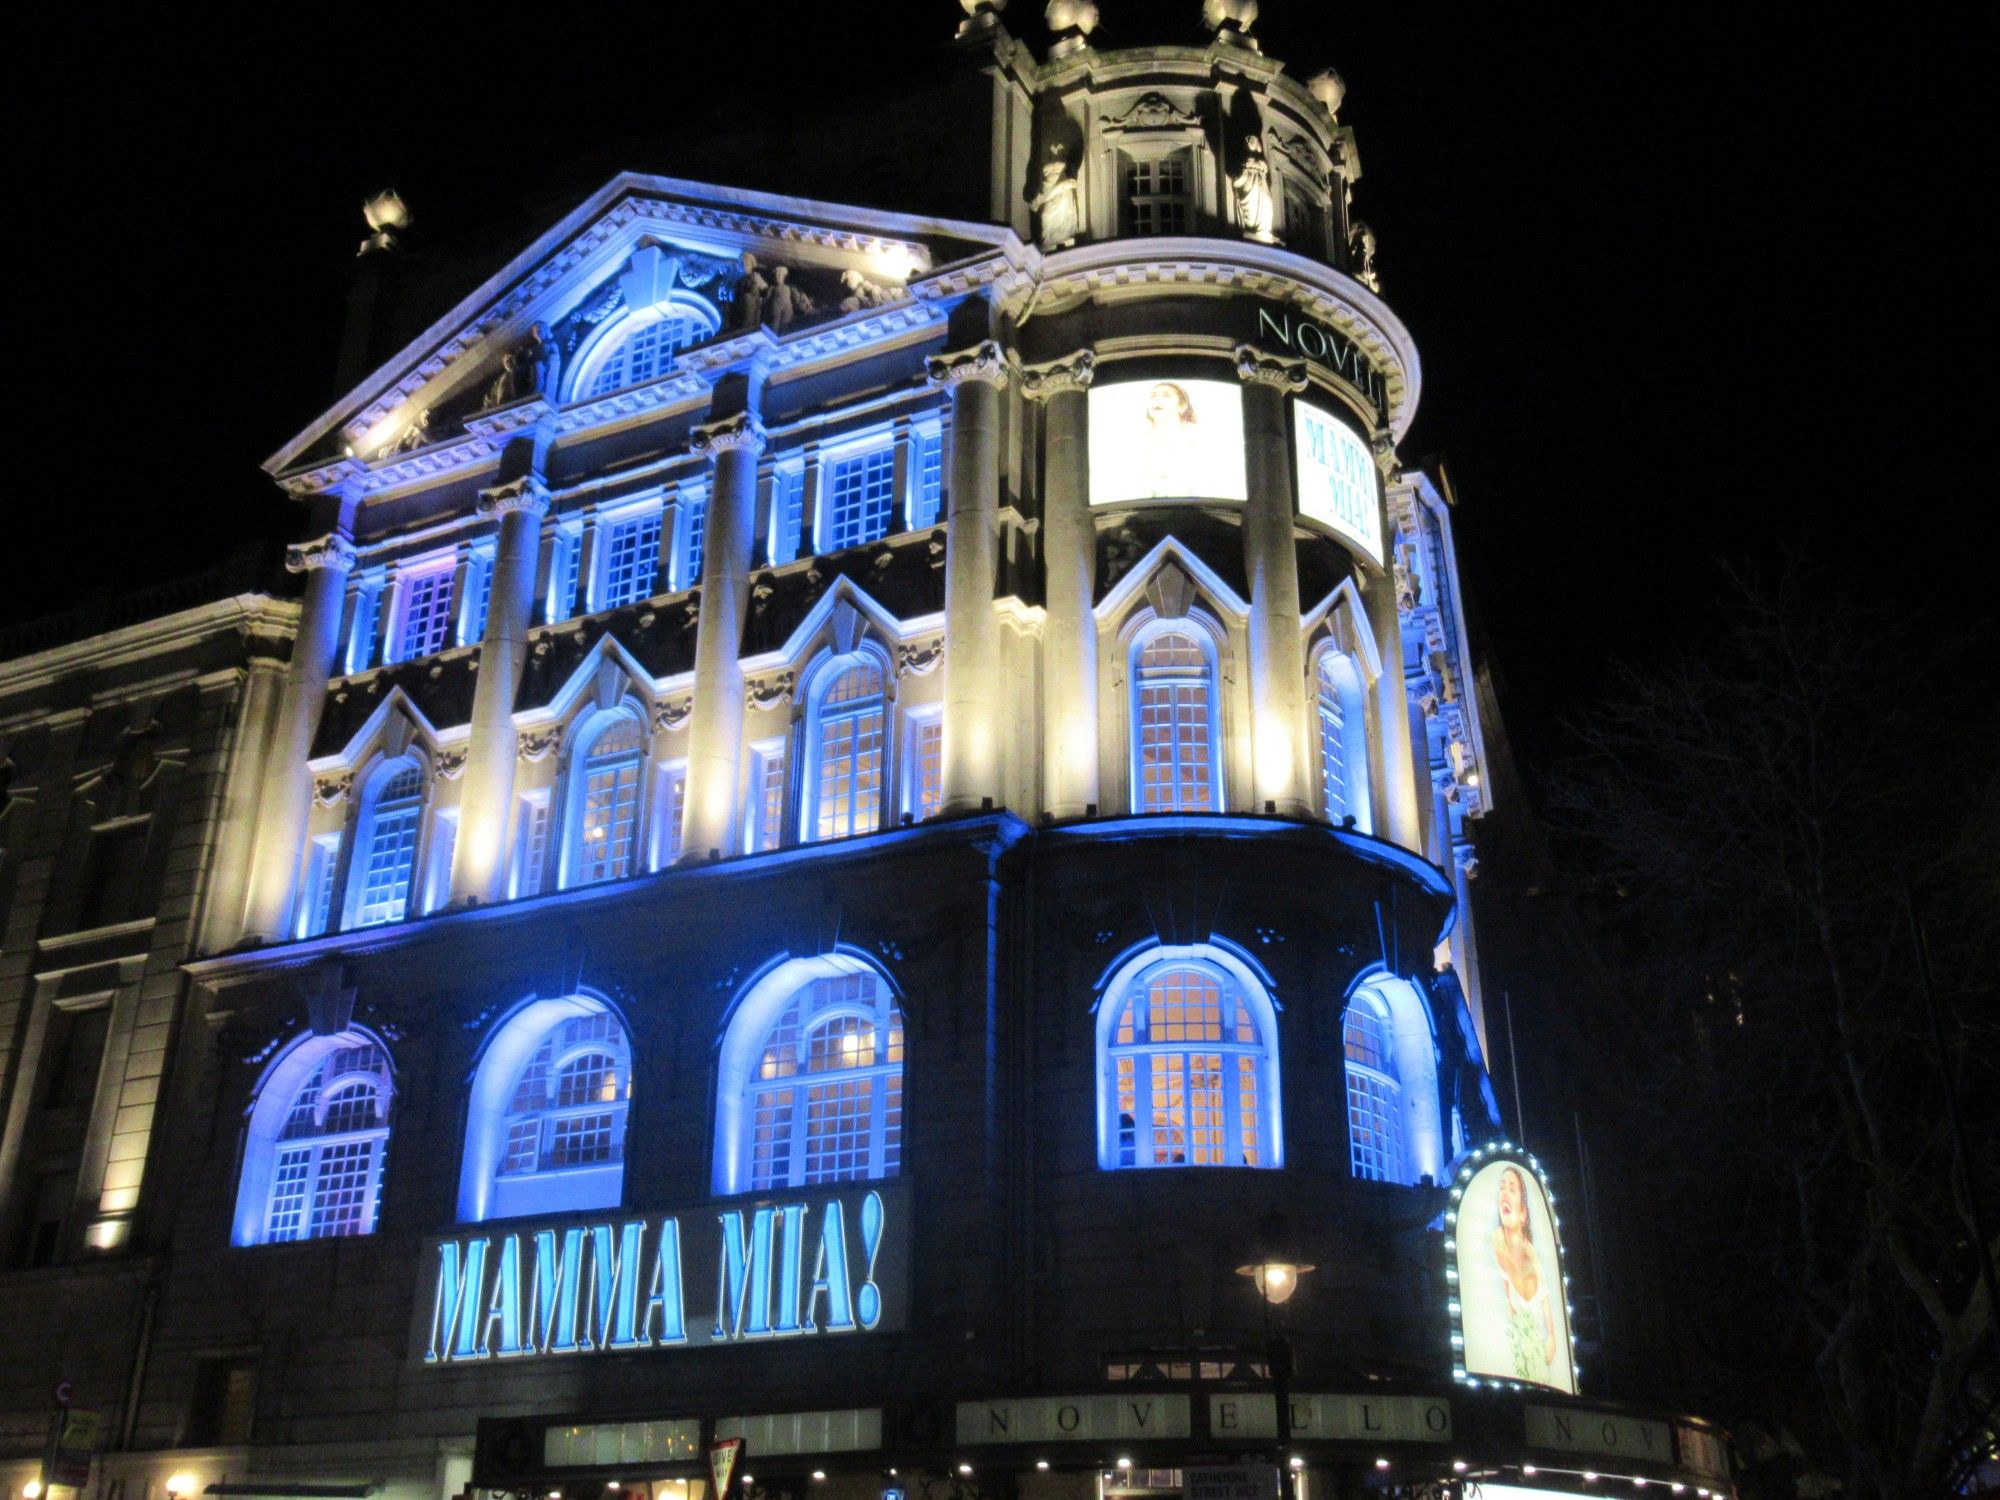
855 843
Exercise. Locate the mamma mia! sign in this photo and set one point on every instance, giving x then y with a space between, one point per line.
801 1267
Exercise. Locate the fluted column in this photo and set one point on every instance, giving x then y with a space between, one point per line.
284 803
478 868
974 763
1069 560
715 733
1271 559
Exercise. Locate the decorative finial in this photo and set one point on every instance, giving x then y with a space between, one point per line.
980 14
1230 19
1330 89
1072 21
386 213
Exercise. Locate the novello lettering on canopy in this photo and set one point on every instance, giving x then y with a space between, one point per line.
730 1274
1325 346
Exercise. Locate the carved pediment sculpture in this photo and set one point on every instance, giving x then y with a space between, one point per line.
1150 111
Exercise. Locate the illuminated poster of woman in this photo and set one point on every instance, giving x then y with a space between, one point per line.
1173 434
1166 439
1514 1314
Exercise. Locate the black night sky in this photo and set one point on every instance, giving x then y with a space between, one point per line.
1683 288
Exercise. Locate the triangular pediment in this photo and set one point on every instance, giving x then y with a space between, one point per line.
643 247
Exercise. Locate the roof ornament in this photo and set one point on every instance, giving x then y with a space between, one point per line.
386 214
980 15
1072 21
1231 21
1330 89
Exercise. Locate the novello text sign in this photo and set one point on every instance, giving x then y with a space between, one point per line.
734 1273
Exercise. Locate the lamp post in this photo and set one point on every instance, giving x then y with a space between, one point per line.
1276 1277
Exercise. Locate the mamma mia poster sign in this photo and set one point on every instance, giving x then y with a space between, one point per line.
810 1265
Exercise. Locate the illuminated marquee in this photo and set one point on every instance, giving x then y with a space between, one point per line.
1336 479
772 1270
1507 1293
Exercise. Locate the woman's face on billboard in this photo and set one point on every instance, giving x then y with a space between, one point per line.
1163 404
1513 1202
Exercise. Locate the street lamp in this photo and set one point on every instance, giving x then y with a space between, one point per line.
1276 1277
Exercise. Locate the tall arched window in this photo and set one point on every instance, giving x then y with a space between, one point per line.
318 1139
1188 1068
1395 1127
605 777
1374 1093
810 1088
385 844
847 715
1176 739
1343 740
546 1131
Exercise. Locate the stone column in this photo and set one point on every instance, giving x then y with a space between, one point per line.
1069 561
1271 561
486 804
715 734
973 759
285 801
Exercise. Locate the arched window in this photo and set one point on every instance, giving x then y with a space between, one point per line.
385 844
640 347
546 1131
810 1088
604 785
1395 1128
1343 740
1188 1068
1176 764
1374 1093
318 1139
846 723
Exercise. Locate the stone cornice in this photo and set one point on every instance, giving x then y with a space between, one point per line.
245 613
1255 367
518 417
742 431
1071 373
983 362
1135 266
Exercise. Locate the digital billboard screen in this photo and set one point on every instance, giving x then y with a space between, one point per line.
1166 439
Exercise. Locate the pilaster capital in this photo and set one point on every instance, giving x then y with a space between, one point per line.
525 494
1255 367
730 433
983 362
330 551
1059 377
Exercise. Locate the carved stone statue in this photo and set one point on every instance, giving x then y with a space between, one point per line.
860 292
1060 203
784 301
506 384
1361 256
1254 211
413 436
544 360
751 288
